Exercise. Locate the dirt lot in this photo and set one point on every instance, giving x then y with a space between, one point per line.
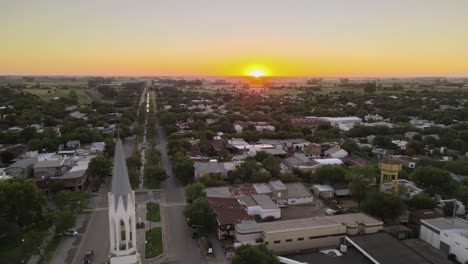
304 211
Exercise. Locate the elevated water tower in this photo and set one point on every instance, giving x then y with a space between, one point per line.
389 170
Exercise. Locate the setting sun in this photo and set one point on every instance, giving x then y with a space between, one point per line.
257 71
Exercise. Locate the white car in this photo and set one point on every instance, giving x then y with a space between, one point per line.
71 232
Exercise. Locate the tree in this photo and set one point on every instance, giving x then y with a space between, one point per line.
385 206
433 180
100 167
361 181
462 194
383 141
329 174
183 167
272 165
421 201
261 176
21 202
194 191
153 175
71 201
200 214
247 254
63 220
289 177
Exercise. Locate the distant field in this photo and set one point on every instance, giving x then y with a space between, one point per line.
49 94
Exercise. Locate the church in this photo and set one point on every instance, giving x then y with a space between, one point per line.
122 225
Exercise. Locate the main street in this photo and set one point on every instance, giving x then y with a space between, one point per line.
180 247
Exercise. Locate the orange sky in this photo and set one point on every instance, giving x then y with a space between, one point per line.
300 38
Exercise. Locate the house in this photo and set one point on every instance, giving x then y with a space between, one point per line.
263 126
276 150
73 144
279 192
79 115
74 179
218 192
228 213
371 117
330 161
353 160
298 194
300 161
336 152
22 168
313 149
400 143
410 188
51 168
263 188
98 148
238 143
261 205
216 144
213 167
324 191
11 151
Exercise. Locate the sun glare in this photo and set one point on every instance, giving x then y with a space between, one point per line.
257 71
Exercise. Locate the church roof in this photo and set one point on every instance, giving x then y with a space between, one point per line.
120 180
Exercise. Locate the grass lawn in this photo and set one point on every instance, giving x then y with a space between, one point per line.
154 246
152 212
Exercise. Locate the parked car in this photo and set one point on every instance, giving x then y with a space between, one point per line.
88 258
71 232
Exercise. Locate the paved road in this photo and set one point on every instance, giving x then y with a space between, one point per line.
181 248
96 236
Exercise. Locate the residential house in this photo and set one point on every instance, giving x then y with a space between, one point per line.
279 192
51 168
213 167
79 115
324 191
98 148
228 213
336 152
73 144
22 168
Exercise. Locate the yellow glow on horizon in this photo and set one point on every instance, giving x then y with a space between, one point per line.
257 71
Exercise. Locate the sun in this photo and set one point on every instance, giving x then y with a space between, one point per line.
257 71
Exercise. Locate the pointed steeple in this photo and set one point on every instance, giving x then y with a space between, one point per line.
120 181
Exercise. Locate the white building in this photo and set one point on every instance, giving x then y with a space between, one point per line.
431 230
122 223
343 123
456 241
336 152
261 205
